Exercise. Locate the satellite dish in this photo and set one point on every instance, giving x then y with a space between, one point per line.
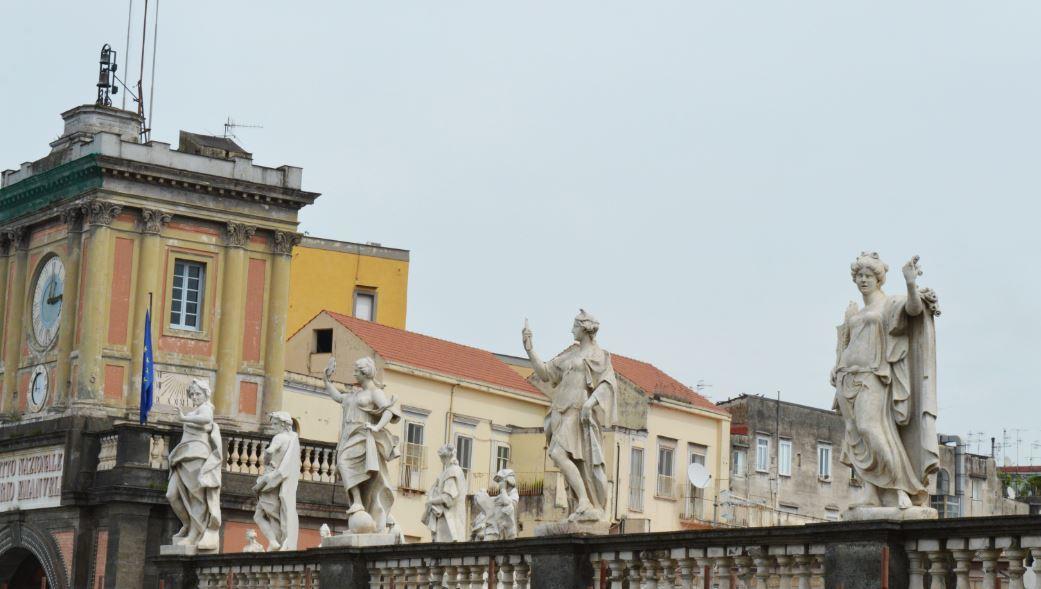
1010 492
698 475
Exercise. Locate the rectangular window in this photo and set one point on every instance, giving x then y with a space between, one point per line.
412 460
636 479
464 452
694 500
831 514
977 489
323 341
666 480
187 296
762 454
365 305
737 462
824 461
502 456
784 458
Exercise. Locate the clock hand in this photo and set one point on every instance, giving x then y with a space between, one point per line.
54 299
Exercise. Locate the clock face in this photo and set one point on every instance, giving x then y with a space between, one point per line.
47 301
38 388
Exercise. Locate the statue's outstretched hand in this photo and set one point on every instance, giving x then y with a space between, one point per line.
912 270
526 336
330 368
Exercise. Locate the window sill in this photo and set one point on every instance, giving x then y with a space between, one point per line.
664 498
169 331
824 479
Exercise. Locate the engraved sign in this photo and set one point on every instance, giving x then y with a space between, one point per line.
31 479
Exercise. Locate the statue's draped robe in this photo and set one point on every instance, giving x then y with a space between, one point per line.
576 376
447 522
885 382
195 482
278 502
362 455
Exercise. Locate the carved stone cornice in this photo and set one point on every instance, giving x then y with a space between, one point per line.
285 241
17 238
99 212
72 216
238 234
153 220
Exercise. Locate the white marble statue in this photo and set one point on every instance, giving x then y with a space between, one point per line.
365 447
885 388
195 473
251 542
497 519
276 488
324 531
584 396
445 512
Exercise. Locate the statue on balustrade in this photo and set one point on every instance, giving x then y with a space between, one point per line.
195 473
497 519
251 542
584 395
885 388
276 488
445 513
365 447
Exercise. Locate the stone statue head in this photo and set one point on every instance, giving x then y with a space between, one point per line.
447 454
506 479
585 324
868 271
365 369
199 392
251 535
283 420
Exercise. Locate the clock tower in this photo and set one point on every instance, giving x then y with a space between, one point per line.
105 223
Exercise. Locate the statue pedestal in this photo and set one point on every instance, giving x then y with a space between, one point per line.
864 513
566 528
360 540
182 550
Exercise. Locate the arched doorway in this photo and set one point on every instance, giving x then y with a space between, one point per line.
20 569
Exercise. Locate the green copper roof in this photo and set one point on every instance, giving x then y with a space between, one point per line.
57 184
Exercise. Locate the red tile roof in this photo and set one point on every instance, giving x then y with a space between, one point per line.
437 355
1020 469
655 382
740 429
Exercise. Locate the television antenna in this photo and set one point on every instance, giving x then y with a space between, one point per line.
230 125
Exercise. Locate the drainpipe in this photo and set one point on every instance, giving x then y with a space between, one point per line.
959 469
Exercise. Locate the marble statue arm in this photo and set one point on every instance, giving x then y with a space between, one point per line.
912 271
385 418
331 389
202 415
536 363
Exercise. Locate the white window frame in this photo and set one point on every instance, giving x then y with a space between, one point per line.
413 461
976 488
739 462
466 465
179 304
784 457
496 457
364 292
636 487
824 462
666 470
762 454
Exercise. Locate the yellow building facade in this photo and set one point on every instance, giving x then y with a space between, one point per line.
485 406
362 280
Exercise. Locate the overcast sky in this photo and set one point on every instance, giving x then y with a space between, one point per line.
698 175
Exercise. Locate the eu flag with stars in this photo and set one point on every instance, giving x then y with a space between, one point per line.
147 370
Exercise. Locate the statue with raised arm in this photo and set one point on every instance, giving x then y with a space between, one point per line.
445 513
276 488
583 394
195 473
885 388
497 519
365 447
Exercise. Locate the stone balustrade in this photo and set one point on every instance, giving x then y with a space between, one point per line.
970 553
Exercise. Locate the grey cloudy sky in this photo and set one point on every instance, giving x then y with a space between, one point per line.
699 175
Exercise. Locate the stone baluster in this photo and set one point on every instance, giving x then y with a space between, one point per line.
817 564
453 572
422 570
938 567
233 455
305 466
1034 544
260 456
254 458
784 567
521 572
1016 567
962 560
330 465
744 570
376 575
988 555
107 453
399 574
763 569
722 564
615 562
651 570
802 569
667 566
915 566
207 578
437 572
635 571
685 566
705 565
477 569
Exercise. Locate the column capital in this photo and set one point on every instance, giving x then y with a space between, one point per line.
238 234
285 241
100 212
72 216
16 238
153 220
5 246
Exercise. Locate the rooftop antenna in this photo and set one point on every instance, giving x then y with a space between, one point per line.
230 125
106 76
126 53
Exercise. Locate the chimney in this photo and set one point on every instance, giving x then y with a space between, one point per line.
83 122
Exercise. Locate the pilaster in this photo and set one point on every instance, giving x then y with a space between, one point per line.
278 309
18 238
97 217
148 280
72 216
232 305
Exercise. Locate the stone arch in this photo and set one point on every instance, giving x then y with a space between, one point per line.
42 546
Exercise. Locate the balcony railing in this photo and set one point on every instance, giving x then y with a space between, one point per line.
413 467
666 487
965 552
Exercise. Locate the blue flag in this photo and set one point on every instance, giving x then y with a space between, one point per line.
147 370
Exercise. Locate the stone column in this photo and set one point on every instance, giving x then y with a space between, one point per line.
18 238
232 305
277 310
5 250
97 217
148 280
72 216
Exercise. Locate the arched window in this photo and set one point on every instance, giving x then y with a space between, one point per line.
943 482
